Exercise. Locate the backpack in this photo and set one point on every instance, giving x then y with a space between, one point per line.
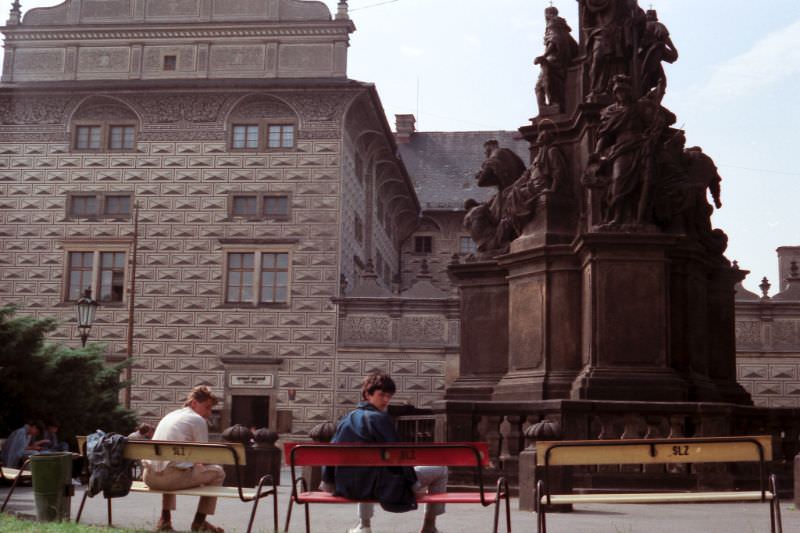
110 471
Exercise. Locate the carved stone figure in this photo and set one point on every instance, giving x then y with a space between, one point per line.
611 30
546 175
655 46
629 137
501 168
559 50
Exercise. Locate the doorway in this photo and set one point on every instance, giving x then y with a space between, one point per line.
250 411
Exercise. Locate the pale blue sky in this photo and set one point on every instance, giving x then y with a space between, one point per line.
733 89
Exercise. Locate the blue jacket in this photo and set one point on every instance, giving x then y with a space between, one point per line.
367 424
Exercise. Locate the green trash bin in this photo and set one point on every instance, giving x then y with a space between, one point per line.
52 485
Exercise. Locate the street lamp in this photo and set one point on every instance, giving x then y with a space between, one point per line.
86 308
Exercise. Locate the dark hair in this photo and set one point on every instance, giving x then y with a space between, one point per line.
377 381
144 428
201 393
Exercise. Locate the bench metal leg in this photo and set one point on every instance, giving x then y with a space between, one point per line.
308 518
541 526
288 514
258 496
83 502
14 485
776 523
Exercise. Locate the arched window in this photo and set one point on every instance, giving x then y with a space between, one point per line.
261 123
104 125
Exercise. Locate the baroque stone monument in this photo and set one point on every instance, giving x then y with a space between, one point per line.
600 301
616 283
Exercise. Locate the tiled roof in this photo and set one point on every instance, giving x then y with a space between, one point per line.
442 165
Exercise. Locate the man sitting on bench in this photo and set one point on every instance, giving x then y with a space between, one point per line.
188 425
370 423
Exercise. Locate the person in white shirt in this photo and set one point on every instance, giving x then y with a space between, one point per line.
189 424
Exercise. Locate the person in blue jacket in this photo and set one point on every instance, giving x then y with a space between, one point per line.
369 422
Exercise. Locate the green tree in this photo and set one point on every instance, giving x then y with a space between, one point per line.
43 380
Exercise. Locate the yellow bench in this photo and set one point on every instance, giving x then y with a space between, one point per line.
656 451
194 452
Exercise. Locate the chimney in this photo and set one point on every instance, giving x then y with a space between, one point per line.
404 124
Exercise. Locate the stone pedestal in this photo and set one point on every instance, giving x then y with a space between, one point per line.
625 317
484 329
543 328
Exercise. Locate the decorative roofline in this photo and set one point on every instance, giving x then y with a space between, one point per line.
52 33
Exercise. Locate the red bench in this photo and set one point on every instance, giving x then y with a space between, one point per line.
473 455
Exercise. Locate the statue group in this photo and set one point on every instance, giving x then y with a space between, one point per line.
614 152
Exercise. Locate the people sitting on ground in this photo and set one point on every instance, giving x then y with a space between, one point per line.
144 431
189 424
370 422
22 443
51 435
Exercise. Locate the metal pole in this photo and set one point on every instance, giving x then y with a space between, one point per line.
131 305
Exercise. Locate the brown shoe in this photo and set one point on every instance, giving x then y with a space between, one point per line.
207 528
164 525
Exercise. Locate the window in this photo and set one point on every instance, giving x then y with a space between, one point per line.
121 137
280 136
271 269
259 206
245 206
423 244
83 205
358 228
276 206
88 137
245 137
466 246
101 270
99 204
262 136
112 276
117 205
359 168
274 277
378 264
170 62
80 274
100 137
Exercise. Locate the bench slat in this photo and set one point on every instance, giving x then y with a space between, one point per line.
190 452
446 497
218 492
640 451
387 454
13 473
658 497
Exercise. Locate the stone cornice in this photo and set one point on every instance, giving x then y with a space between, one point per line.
105 33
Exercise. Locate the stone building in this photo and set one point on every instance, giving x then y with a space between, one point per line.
264 178
768 336
442 165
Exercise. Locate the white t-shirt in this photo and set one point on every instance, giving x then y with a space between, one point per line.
181 425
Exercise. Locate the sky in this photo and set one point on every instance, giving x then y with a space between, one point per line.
467 65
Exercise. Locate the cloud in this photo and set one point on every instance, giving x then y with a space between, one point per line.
409 51
770 61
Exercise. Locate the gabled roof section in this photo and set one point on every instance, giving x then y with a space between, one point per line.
442 165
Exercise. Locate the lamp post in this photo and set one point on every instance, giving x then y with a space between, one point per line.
86 308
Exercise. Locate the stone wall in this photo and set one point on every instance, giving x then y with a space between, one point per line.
182 172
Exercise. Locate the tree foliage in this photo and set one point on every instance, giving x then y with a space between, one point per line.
48 381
